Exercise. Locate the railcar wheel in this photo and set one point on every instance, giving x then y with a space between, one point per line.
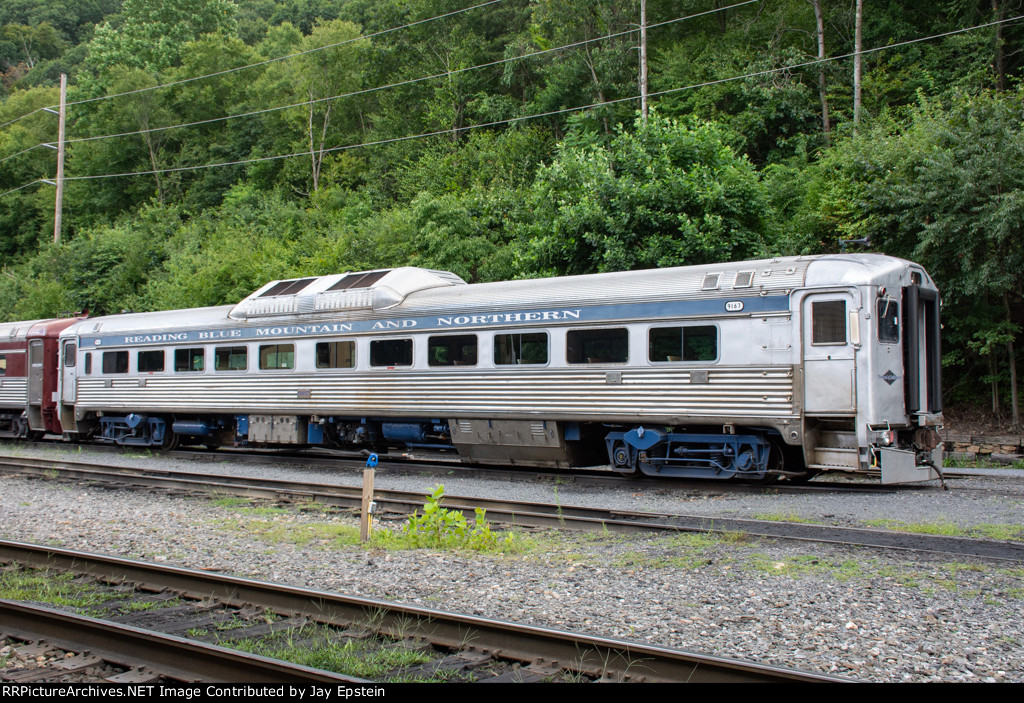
621 457
775 463
170 440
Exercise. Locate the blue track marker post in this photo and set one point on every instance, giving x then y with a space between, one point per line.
366 521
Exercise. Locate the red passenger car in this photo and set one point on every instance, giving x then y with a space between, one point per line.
29 375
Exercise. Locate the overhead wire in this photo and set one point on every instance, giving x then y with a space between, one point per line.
550 113
512 120
262 63
289 56
409 81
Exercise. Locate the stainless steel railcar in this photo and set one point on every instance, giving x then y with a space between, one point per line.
756 369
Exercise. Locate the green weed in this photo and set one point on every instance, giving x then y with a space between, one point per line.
441 528
784 517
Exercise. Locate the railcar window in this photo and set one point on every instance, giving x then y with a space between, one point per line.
3 364
455 350
888 321
391 352
287 287
528 348
359 280
335 355
277 356
151 361
189 360
70 355
230 358
88 362
694 343
115 362
601 346
828 322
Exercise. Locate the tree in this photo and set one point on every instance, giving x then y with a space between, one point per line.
668 193
154 32
946 190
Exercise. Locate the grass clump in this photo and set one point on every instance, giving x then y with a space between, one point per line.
321 647
784 517
804 565
441 528
948 529
58 589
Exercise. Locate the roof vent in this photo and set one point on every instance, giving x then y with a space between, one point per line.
711 281
364 290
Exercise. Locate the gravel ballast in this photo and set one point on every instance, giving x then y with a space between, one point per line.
856 612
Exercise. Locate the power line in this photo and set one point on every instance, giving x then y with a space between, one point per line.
27 114
551 113
289 56
410 81
25 151
263 63
530 117
31 183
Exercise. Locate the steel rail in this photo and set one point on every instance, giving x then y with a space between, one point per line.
168 655
528 514
609 659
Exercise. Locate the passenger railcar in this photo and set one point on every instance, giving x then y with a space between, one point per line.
757 369
29 370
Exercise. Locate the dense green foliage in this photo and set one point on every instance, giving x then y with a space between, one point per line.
312 160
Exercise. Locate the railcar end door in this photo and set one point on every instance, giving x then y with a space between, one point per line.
829 334
69 353
35 384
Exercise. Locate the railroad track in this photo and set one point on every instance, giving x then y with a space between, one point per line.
442 465
523 514
459 643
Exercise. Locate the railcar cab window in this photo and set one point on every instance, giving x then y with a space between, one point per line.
336 355
230 359
888 321
115 362
600 346
692 343
189 360
526 348
828 322
70 355
391 352
151 361
3 364
454 350
277 356
88 362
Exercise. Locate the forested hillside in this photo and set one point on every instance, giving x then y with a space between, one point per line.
214 145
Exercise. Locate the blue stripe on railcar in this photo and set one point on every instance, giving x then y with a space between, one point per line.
538 317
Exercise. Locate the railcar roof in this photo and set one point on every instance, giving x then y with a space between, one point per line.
410 291
16 331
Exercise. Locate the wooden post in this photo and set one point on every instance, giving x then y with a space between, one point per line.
366 520
60 157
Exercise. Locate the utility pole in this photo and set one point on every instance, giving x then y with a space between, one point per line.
857 64
60 157
643 60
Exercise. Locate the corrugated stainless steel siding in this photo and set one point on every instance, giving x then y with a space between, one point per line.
592 394
13 392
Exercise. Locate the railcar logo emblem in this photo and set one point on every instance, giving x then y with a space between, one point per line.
889 377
